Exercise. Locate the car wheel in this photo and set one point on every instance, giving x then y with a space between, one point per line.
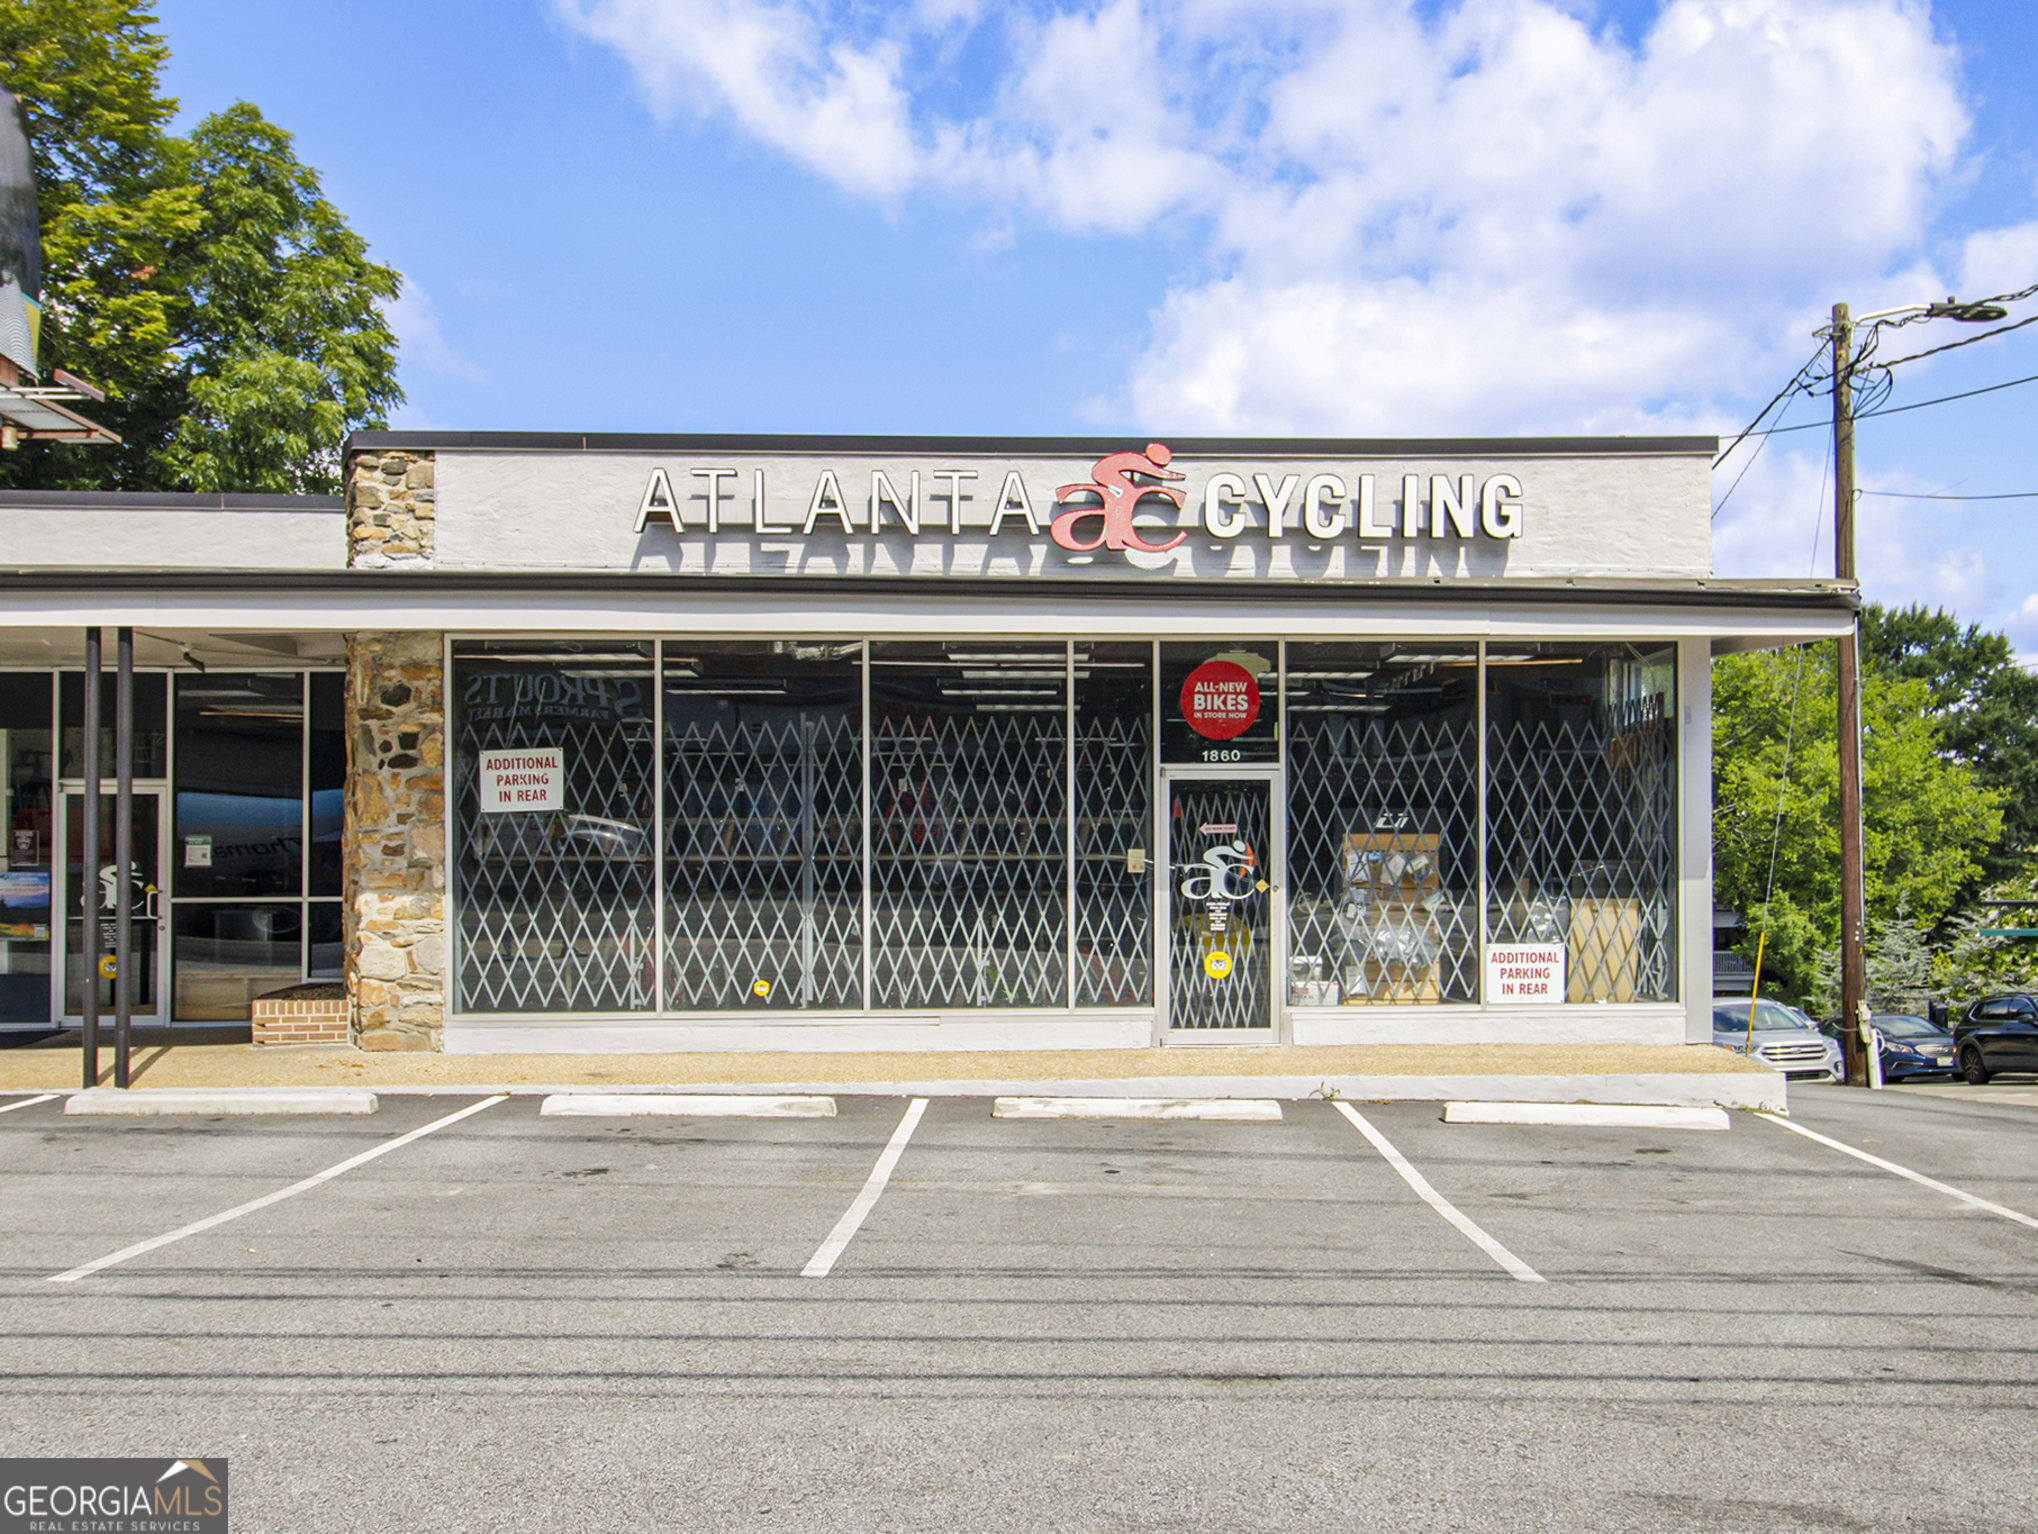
1971 1067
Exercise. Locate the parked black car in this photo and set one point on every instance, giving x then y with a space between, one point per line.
1913 1046
1999 1033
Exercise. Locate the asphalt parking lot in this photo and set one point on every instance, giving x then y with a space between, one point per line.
514 1322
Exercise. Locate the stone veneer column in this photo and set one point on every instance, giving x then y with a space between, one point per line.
391 510
396 839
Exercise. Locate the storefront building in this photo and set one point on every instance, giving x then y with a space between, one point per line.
568 743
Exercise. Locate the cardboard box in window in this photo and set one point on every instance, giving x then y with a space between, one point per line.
1388 915
1603 949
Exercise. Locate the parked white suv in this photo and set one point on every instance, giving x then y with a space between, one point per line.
1782 1040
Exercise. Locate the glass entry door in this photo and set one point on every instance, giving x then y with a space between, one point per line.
142 888
1220 904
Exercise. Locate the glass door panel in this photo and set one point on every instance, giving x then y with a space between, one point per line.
1220 898
143 886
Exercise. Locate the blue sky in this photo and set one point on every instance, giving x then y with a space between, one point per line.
1393 217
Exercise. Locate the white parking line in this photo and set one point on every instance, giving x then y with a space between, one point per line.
31 1101
848 1225
1438 1202
267 1199
1902 1171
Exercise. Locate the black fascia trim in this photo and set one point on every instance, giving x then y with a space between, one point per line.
164 500
1079 447
1810 596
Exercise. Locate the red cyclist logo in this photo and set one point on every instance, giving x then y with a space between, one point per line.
1119 481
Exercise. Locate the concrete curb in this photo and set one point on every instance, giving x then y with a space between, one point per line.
216 1101
710 1105
1215 1109
1725 1089
1590 1115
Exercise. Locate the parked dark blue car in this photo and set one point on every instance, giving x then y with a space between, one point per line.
1911 1046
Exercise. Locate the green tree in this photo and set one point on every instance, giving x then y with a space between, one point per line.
1926 819
225 306
1987 707
1902 970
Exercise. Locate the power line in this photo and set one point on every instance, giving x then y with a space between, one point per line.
2000 330
1722 506
1905 495
1896 409
1787 389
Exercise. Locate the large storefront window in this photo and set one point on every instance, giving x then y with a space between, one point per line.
240 784
257 767
764 825
968 823
840 825
555 903
1383 824
1582 814
25 887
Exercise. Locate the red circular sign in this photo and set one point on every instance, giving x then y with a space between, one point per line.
1220 700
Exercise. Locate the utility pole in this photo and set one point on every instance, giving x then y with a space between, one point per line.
1853 965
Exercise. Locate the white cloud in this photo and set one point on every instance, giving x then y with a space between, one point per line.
2023 631
1484 217
778 71
1778 519
415 319
1779 522
1999 261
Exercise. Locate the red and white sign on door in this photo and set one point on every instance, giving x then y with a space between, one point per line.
1220 700
529 778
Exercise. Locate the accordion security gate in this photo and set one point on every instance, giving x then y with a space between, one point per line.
757 828
843 827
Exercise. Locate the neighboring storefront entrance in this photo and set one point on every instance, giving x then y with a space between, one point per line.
1223 880
149 932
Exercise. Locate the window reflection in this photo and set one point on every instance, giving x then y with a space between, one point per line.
151 715
227 955
240 785
25 886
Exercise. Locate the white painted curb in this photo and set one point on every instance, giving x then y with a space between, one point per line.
1219 1109
1591 1115
214 1101
702 1105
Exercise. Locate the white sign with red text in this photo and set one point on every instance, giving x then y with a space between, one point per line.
1525 974
526 778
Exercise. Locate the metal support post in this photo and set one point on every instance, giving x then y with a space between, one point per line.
87 893
123 853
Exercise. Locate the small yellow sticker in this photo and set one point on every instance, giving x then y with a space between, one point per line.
107 968
1217 964
761 989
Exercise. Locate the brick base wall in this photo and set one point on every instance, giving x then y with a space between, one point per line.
278 1020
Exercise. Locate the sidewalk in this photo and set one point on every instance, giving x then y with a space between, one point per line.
1512 1072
